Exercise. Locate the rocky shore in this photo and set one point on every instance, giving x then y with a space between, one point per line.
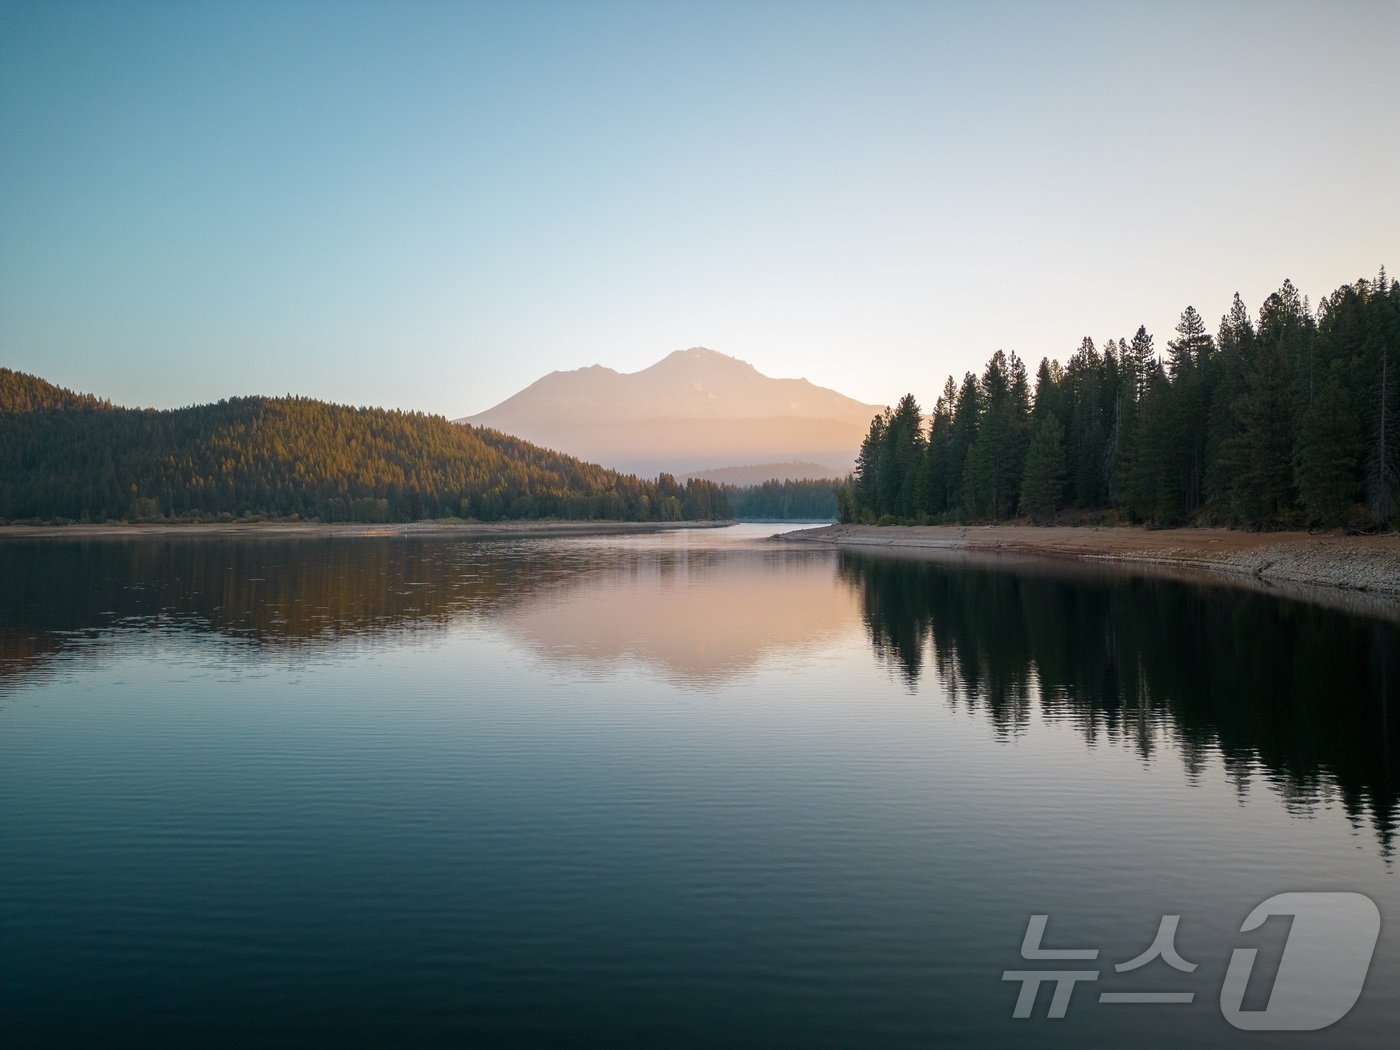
1367 567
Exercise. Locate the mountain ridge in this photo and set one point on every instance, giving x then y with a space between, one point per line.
693 409
70 456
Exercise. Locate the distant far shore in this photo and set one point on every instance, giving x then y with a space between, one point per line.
1368 566
312 529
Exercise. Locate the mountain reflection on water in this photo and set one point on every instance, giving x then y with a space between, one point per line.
1289 693
698 616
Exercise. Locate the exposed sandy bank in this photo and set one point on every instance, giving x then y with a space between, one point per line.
282 530
1369 565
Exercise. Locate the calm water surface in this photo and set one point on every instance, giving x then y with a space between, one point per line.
687 788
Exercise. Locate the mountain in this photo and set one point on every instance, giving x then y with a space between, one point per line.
70 456
693 410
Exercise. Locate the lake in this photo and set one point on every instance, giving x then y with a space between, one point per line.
694 787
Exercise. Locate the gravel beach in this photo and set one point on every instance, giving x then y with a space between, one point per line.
1366 566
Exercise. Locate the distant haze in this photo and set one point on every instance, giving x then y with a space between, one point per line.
694 410
758 473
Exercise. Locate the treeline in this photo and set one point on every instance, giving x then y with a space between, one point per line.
786 500
1290 419
69 457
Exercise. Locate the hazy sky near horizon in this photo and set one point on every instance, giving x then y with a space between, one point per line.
429 205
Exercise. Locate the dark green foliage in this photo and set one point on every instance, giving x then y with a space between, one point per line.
1329 438
1043 483
890 467
1383 460
937 488
866 491
1133 476
1191 345
967 415
1225 377
1294 420
903 455
1151 490
1262 449
1358 334
1086 394
847 507
295 457
1188 411
992 471
808 499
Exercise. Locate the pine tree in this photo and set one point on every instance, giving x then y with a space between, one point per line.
1191 344
1020 419
1048 399
1226 378
1381 471
1140 361
902 454
867 484
1325 455
1154 492
1262 449
1084 430
967 419
1043 481
1187 412
992 473
1138 364
937 488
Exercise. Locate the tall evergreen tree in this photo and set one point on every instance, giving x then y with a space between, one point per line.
1192 343
992 473
1138 365
1020 411
937 487
1043 481
902 455
1140 361
1188 410
1153 492
967 418
866 483
1262 448
1085 438
1382 474
1234 352
1325 454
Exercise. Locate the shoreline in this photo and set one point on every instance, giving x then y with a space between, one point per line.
323 530
1361 572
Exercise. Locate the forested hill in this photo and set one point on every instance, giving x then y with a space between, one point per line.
67 456
1292 419
20 392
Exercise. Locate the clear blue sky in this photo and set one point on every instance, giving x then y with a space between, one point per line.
428 205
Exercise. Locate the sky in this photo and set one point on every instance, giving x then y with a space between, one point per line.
430 205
